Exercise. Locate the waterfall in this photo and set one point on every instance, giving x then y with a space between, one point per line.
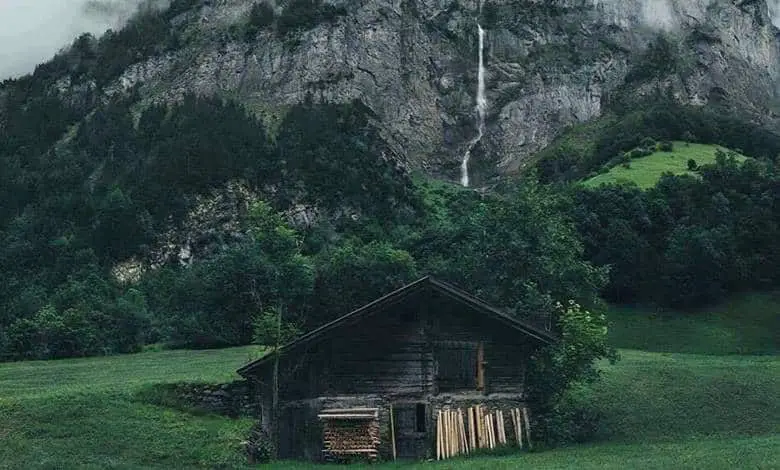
481 107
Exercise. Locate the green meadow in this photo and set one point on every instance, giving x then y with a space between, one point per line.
692 390
646 171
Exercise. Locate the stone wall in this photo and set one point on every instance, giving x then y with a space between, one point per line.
232 399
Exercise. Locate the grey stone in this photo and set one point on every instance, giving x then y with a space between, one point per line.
550 64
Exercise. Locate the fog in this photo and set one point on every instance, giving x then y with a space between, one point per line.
32 31
774 11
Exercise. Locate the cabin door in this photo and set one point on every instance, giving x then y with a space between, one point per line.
411 422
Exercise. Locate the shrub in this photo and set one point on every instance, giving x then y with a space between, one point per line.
571 421
302 15
648 143
626 165
666 146
261 16
635 153
259 446
692 165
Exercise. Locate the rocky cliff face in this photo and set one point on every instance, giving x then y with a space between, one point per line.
550 64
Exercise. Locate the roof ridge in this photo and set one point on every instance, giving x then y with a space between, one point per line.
399 295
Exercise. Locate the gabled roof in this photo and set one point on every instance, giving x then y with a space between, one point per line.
395 297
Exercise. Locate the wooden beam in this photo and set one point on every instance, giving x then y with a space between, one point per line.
481 366
392 431
527 426
438 436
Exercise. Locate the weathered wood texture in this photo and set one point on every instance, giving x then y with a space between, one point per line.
419 356
421 348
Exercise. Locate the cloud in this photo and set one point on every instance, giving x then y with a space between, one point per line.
32 31
659 14
774 11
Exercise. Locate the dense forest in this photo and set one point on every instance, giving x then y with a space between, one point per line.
85 193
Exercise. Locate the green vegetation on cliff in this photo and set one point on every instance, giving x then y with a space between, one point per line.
646 171
587 149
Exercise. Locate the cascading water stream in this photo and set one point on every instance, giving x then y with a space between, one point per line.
481 107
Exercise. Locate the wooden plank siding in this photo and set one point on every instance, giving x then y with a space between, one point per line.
399 355
413 351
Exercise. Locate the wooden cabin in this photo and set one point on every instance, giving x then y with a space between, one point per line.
374 380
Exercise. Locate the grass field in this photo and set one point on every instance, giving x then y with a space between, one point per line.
83 413
698 396
646 171
746 324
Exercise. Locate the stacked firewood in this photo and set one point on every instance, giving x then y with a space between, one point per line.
461 432
349 433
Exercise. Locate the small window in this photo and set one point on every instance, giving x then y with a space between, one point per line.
456 366
408 316
420 418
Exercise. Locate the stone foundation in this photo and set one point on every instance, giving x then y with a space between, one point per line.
232 399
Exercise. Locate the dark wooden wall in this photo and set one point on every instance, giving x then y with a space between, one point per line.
506 351
387 354
395 353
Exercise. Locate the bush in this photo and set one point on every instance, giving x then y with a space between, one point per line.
302 15
636 153
571 421
626 165
692 165
259 445
648 143
666 146
261 16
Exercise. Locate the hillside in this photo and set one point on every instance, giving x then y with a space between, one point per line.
660 410
744 324
646 171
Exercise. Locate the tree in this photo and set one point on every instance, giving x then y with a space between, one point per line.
354 273
516 249
216 301
557 369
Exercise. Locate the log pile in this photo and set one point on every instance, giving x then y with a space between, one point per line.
459 432
350 433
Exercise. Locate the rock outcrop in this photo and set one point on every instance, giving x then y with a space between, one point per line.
550 64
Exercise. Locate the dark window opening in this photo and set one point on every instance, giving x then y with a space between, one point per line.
456 366
408 316
421 416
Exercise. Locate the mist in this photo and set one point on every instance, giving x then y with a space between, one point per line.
33 31
774 11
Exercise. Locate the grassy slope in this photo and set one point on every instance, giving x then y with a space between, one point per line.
82 413
646 171
663 409
747 324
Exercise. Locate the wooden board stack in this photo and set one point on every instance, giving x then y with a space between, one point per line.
352 432
459 433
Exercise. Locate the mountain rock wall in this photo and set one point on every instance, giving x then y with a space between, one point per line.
550 64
